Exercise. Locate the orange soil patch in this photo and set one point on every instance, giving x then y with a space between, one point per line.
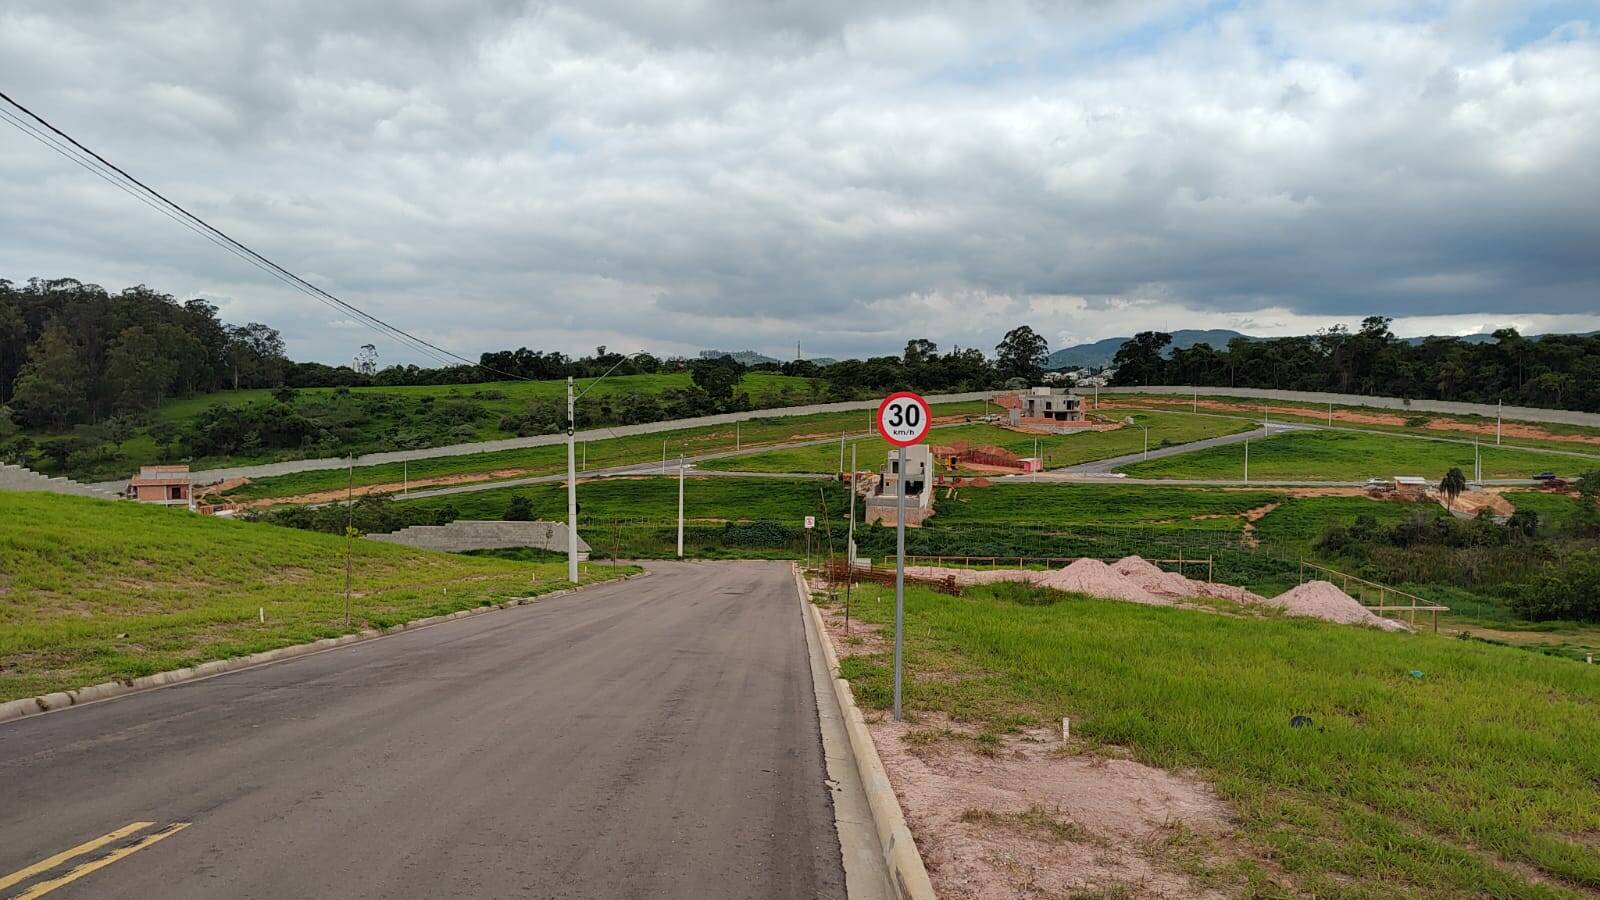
1474 502
393 487
1507 429
1038 817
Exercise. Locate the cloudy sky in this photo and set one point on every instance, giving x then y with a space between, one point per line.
682 174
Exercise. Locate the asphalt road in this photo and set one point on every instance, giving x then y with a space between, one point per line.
656 738
1099 466
261 470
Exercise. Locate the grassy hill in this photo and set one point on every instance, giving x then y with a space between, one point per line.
1058 449
94 590
1434 767
1347 456
361 420
552 459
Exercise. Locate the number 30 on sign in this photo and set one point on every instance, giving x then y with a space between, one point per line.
903 419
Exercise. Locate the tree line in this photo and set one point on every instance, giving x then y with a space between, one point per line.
1554 371
73 353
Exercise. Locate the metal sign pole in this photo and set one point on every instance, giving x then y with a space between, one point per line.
899 579
850 544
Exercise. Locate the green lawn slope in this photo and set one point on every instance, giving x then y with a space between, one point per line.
1348 456
1433 767
94 590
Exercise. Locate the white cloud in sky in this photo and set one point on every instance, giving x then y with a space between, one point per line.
847 175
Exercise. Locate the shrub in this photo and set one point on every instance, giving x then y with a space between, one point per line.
1568 589
520 509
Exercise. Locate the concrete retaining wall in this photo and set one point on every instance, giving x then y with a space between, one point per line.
211 476
17 478
468 534
1520 413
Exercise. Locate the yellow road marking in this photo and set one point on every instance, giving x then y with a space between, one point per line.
45 887
45 865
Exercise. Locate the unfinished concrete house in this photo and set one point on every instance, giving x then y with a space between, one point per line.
884 496
1049 406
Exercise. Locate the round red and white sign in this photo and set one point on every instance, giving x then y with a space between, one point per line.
903 419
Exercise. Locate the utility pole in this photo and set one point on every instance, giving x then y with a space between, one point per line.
572 491
1497 410
850 543
735 435
586 456
1146 443
1477 462
349 530
1195 404
841 453
680 506
1330 415
663 457
405 477
1246 460
899 577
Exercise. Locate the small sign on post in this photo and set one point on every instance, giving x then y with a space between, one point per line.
903 420
811 522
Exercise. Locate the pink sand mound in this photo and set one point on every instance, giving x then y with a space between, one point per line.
1095 578
1322 600
966 577
1140 581
1153 578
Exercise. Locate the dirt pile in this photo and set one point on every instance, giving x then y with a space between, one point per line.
1095 578
1323 600
1137 580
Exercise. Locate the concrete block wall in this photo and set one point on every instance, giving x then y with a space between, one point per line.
1401 404
17 478
469 534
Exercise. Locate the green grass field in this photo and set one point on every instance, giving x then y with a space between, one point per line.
1405 786
763 387
550 460
1097 504
1347 456
1058 450
1299 521
716 499
1317 414
95 590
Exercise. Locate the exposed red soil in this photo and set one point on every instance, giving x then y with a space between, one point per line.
1507 429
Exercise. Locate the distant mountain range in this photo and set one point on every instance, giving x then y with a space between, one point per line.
1100 353
742 357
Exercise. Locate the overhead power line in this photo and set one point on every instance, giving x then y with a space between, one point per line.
64 144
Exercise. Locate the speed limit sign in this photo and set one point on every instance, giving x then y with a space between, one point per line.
903 419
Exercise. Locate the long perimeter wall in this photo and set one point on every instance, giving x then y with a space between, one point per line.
1489 410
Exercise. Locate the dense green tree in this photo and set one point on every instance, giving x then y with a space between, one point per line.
717 377
1022 354
1452 486
53 386
256 356
1140 360
139 370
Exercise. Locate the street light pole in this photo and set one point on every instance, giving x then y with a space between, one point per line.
572 490
1146 443
680 506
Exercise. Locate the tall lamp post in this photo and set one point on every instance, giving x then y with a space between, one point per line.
572 469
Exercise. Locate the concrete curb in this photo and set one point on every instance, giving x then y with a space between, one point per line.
906 871
30 706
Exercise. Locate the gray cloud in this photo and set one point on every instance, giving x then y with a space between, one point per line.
676 175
